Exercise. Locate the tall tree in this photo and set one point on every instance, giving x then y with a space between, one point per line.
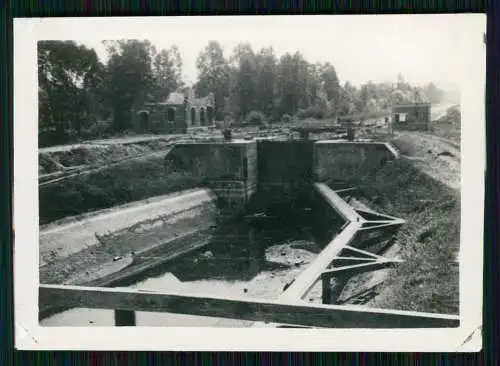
287 90
266 82
213 76
66 72
302 69
244 62
129 78
314 84
348 100
330 81
167 72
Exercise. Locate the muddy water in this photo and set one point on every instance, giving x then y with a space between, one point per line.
242 260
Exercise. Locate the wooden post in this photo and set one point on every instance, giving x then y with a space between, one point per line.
124 318
326 290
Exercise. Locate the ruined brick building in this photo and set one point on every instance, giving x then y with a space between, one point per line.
179 113
411 116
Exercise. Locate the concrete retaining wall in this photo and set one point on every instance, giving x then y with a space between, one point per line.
142 220
216 161
229 169
280 171
349 161
285 161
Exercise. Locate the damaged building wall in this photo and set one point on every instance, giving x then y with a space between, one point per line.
179 113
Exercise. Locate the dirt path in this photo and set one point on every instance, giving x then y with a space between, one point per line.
135 139
439 110
435 156
112 141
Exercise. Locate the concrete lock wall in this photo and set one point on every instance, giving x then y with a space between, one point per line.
280 161
285 171
349 161
230 169
280 171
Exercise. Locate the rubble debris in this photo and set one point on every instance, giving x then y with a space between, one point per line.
445 153
208 254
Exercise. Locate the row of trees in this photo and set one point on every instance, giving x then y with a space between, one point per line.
77 91
257 80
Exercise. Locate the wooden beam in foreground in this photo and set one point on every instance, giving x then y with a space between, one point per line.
330 316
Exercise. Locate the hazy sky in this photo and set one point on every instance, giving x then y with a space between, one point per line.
422 48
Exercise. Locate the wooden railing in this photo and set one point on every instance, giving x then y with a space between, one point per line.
127 301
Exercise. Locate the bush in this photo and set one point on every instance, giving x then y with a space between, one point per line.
51 137
97 129
453 115
311 112
255 118
286 118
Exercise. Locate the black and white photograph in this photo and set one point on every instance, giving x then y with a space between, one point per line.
236 182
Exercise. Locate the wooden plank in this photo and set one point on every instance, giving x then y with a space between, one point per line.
332 316
307 279
345 261
364 253
357 259
337 203
369 224
377 216
346 190
360 268
394 225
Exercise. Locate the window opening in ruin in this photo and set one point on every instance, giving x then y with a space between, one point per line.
210 115
193 116
202 117
170 115
143 118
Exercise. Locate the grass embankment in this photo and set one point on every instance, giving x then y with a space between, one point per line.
131 181
428 242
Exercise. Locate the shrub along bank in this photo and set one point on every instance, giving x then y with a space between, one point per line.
131 181
428 242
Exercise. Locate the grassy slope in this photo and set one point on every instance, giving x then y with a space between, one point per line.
131 181
428 242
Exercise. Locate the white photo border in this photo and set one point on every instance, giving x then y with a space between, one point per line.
29 335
